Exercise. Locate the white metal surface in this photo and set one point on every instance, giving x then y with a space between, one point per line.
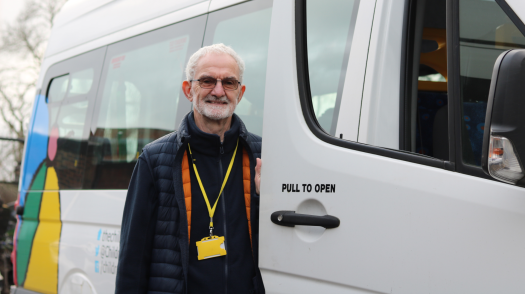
405 228
174 17
219 4
350 108
379 124
81 22
518 6
89 242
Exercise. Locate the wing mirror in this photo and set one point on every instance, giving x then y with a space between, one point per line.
504 137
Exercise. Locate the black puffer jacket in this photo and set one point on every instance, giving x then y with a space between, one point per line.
154 238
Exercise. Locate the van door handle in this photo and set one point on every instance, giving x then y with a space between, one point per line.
289 218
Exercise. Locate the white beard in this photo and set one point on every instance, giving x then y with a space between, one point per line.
215 111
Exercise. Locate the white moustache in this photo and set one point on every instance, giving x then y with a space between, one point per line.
211 98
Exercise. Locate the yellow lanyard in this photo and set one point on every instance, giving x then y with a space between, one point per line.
211 210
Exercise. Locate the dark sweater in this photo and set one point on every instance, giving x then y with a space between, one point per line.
234 272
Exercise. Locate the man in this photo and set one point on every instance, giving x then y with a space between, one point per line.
197 186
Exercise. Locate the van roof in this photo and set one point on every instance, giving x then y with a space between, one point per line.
81 21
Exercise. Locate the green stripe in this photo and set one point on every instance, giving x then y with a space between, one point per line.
29 224
25 240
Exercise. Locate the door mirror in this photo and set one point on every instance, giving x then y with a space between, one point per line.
504 137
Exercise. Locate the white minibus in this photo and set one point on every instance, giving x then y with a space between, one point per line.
393 139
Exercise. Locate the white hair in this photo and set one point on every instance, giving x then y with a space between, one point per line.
215 48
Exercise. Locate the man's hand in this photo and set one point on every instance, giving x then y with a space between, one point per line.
258 176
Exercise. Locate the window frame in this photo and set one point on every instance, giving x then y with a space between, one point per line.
305 98
455 104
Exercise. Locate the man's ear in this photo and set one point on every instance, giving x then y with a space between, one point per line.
186 88
243 88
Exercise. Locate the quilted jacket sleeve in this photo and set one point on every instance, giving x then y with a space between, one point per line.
138 225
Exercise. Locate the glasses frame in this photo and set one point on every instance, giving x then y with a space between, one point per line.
216 80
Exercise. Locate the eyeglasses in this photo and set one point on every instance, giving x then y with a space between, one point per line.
209 83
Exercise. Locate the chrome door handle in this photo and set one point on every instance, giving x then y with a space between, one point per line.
289 218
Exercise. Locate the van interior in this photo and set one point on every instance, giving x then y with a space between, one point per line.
483 35
427 96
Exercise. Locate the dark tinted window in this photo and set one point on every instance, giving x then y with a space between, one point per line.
425 105
246 28
139 100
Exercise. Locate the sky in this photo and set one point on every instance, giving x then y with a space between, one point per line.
9 9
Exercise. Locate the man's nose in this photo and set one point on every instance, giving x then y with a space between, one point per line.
218 90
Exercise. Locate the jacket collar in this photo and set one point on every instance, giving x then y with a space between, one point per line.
184 135
210 144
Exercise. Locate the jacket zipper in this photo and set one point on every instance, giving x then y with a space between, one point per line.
224 224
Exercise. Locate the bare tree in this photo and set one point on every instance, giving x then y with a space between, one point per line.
22 50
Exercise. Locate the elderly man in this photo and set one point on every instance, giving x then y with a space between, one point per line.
190 221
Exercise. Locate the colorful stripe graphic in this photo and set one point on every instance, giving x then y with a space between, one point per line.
38 236
29 224
42 273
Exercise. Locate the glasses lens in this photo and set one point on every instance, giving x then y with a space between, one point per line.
230 84
207 83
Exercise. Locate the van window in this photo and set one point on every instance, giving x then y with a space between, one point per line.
139 100
485 32
330 26
246 28
59 127
425 113
68 110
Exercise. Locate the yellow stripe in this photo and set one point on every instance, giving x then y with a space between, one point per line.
42 273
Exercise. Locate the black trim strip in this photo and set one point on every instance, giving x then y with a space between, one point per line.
453 73
406 76
305 97
491 43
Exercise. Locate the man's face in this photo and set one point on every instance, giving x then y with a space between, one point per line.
216 103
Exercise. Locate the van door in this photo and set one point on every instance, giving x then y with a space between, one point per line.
397 221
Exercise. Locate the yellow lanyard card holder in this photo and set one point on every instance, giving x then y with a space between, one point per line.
210 247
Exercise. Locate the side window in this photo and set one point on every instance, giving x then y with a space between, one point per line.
485 32
60 122
330 26
139 100
68 109
412 116
246 28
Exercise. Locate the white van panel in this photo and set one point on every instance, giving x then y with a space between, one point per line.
348 119
405 227
281 283
74 9
118 17
518 6
382 84
150 25
92 206
89 242
218 4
